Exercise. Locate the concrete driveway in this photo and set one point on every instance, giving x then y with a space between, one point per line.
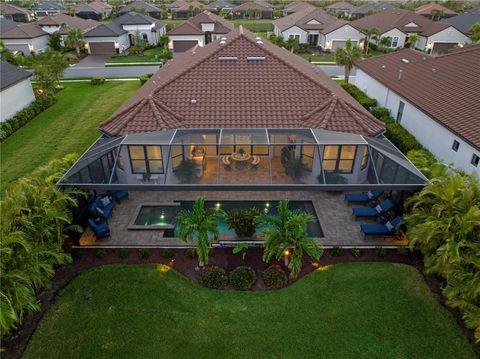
92 61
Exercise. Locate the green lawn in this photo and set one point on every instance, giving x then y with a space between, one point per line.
319 58
255 25
71 125
149 56
356 310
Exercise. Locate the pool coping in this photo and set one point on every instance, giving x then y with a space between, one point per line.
133 226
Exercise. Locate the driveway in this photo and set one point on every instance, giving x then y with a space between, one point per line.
92 61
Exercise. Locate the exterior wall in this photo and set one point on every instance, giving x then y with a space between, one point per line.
344 33
199 38
450 34
396 33
38 44
421 43
208 27
432 135
121 42
15 98
143 29
295 30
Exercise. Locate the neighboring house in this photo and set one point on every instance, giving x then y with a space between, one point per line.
48 8
144 26
256 9
6 25
339 8
198 30
143 7
435 98
220 6
435 37
435 11
63 23
188 9
240 111
318 29
297 6
25 38
95 10
369 9
107 39
14 13
464 21
16 90
175 5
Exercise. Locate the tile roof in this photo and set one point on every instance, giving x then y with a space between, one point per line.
49 6
193 26
445 87
221 4
6 24
9 9
298 6
10 75
398 18
255 4
427 9
67 22
134 18
140 5
342 5
464 21
366 8
24 31
206 88
302 19
194 4
176 4
106 30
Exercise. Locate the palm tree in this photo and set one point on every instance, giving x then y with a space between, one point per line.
286 236
475 32
370 35
412 40
291 44
199 223
347 57
384 42
75 39
163 41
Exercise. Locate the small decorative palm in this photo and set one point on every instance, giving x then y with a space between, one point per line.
75 39
347 57
412 40
371 34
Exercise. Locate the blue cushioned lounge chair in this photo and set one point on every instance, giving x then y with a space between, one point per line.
363 197
97 208
99 229
373 212
380 229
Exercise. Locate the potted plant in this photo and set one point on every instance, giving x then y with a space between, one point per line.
243 221
295 168
187 171
146 176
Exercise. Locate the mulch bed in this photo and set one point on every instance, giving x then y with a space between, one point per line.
85 259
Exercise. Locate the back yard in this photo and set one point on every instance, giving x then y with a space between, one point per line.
355 310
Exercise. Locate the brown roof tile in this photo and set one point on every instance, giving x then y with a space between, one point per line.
445 87
24 31
280 91
255 4
302 18
67 22
427 9
193 26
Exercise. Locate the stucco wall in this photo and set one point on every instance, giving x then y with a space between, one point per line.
344 33
38 44
143 29
396 33
450 34
119 41
431 134
199 38
295 30
15 98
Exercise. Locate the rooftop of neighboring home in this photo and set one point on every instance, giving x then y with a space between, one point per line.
6 24
464 22
307 19
444 87
50 6
403 20
134 18
365 9
9 9
176 4
193 26
298 6
67 22
255 4
24 31
220 4
11 75
428 8
342 5
140 5
267 86
96 7
106 30
194 4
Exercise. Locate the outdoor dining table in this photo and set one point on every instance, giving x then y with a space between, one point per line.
241 157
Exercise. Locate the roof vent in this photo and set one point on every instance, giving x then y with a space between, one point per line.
424 58
258 38
405 61
400 72
260 42
223 42
434 71
384 66
255 58
228 58
193 101
223 38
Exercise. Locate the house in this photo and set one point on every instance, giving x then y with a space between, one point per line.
14 13
341 8
434 98
107 39
369 9
145 26
48 8
16 90
25 38
257 9
198 30
188 9
297 6
434 36
220 6
223 101
435 11
142 7
464 21
6 25
63 23
317 28
173 6
96 10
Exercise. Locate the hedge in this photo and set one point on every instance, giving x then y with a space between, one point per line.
97 81
22 117
358 95
144 78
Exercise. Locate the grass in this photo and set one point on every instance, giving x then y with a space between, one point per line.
263 25
71 125
355 310
319 58
149 56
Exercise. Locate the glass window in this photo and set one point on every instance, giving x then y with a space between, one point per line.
475 160
401 106
146 159
394 42
307 156
347 156
339 158
455 145
364 157
177 156
260 150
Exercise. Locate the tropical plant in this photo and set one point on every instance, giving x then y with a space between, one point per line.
242 278
347 56
242 220
412 40
370 35
436 14
75 40
291 44
48 68
163 41
384 42
200 224
285 235
187 171
241 248
475 32
55 41
427 163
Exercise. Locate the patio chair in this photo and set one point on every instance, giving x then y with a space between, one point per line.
255 162
373 211
380 229
100 230
226 162
363 197
120 195
102 206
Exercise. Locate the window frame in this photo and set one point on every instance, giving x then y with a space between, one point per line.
146 159
455 145
338 159
395 39
401 109
475 160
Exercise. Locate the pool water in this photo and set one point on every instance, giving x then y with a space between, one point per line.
156 215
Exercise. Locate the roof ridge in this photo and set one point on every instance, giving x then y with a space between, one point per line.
179 119
127 119
355 114
329 112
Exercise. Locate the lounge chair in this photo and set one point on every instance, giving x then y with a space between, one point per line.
255 162
373 212
380 229
226 162
363 197
120 195
99 229
101 207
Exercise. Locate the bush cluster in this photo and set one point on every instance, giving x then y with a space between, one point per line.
274 277
399 136
358 95
242 278
101 253
191 253
356 252
167 253
213 277
24 116
144 253
97 80
123 252
380 251
337 251
144 78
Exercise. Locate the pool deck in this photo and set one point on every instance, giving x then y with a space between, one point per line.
335 215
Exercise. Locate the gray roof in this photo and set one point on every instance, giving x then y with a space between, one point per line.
10 75
6 25
106 30
140 5
366 8
50 6
133 18
464 21
220 4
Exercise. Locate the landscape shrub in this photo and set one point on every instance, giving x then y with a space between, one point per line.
165 54
167 253
274 277
380 251
123 252
211 252
242 278
191 253
303 48
144 253
144 78
213 277
22 117
359 95
380 112
97 80
242 220
399 136
403 251
337 251
356 252
101 253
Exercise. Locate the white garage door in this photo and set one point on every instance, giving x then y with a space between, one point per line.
341 43
22 48
442 47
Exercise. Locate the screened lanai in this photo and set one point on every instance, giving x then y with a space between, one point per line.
258 158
